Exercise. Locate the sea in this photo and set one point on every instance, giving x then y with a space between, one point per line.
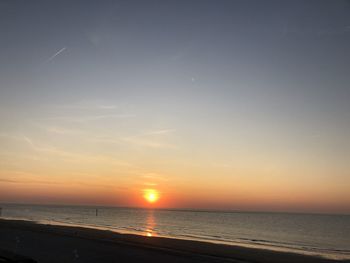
314 234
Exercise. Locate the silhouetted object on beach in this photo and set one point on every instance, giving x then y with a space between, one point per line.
10 257
0 211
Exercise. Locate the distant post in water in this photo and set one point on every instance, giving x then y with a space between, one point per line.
0 211
96 212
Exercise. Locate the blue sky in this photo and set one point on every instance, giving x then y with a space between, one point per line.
187 91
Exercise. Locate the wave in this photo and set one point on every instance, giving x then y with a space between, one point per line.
252 230
267 244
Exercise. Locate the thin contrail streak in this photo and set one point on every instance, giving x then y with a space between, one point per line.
56 54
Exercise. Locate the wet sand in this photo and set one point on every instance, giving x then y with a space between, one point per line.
50 243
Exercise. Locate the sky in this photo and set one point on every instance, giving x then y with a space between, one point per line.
225 105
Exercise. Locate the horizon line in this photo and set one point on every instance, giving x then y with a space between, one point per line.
201 210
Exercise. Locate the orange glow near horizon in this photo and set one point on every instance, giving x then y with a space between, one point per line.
151 195
216 114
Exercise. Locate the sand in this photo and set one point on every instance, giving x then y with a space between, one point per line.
51 243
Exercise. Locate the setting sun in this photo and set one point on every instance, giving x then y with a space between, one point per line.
151 195
166 131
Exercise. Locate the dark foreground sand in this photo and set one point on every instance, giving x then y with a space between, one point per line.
48 243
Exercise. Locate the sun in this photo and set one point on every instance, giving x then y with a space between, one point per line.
151 195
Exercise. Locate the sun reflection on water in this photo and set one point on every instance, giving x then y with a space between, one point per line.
150 224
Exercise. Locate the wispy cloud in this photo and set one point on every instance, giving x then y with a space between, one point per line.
22 177
150 179
147 139
105 139
151 139
35 146
57 129
68 156
106 107
156 132
28 179
4 180
87 105
153 176
148 143
25 139
150 184
221 165
60 130
87 118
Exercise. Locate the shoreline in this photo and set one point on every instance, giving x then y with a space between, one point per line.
191 249
270 247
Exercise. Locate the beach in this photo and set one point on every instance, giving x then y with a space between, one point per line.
55 243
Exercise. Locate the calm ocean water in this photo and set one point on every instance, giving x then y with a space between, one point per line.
326 235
